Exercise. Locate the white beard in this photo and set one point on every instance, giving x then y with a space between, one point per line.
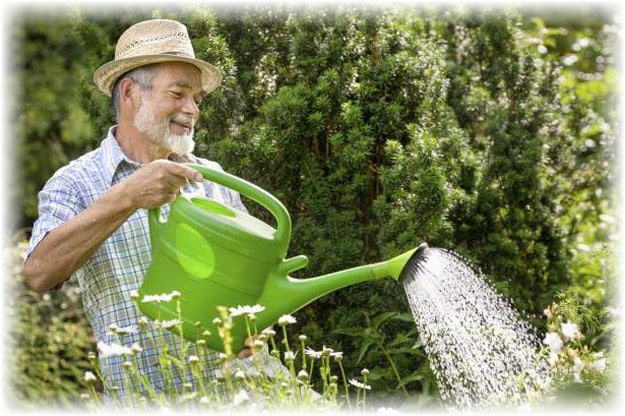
159 132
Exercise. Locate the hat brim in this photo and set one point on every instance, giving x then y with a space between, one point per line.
106 76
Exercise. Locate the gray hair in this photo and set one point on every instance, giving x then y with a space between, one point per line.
142 76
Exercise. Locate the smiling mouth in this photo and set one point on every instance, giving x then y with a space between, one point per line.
186 125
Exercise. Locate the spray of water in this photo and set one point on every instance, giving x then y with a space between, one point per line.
483 355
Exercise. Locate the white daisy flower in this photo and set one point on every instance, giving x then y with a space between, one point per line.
286 319
112 350
246 310
359 385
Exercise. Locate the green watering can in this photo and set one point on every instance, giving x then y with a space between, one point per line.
214 255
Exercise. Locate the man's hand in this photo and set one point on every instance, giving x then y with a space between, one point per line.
158 183
245 353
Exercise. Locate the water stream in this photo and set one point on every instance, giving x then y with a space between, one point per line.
483 355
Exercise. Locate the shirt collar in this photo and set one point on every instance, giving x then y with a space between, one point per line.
113 155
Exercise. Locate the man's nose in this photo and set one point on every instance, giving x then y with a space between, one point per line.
191 107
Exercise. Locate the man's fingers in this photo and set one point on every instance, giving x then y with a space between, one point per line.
186 172
247 351
159 182
244 353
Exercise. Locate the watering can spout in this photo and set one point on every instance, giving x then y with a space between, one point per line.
290 294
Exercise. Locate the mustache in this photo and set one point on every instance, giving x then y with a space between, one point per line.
183 119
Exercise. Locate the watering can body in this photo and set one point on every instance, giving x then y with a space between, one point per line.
212 255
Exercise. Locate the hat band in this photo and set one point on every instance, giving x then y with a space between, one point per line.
176 53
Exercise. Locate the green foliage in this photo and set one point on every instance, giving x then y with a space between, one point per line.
52 121
512 231
272 378
583 373
389 357
50 342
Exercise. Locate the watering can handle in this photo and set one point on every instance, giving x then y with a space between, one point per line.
255 193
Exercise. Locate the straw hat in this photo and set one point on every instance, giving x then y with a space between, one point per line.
149 42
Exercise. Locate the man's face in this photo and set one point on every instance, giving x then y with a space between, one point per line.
169 110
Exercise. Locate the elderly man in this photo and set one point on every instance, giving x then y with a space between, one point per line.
93 212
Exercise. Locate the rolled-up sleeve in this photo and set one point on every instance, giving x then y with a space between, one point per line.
58 202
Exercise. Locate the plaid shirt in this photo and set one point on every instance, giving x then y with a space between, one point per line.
119 264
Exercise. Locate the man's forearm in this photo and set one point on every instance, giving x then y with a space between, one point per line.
66 248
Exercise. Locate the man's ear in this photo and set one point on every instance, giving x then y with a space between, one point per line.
128 90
